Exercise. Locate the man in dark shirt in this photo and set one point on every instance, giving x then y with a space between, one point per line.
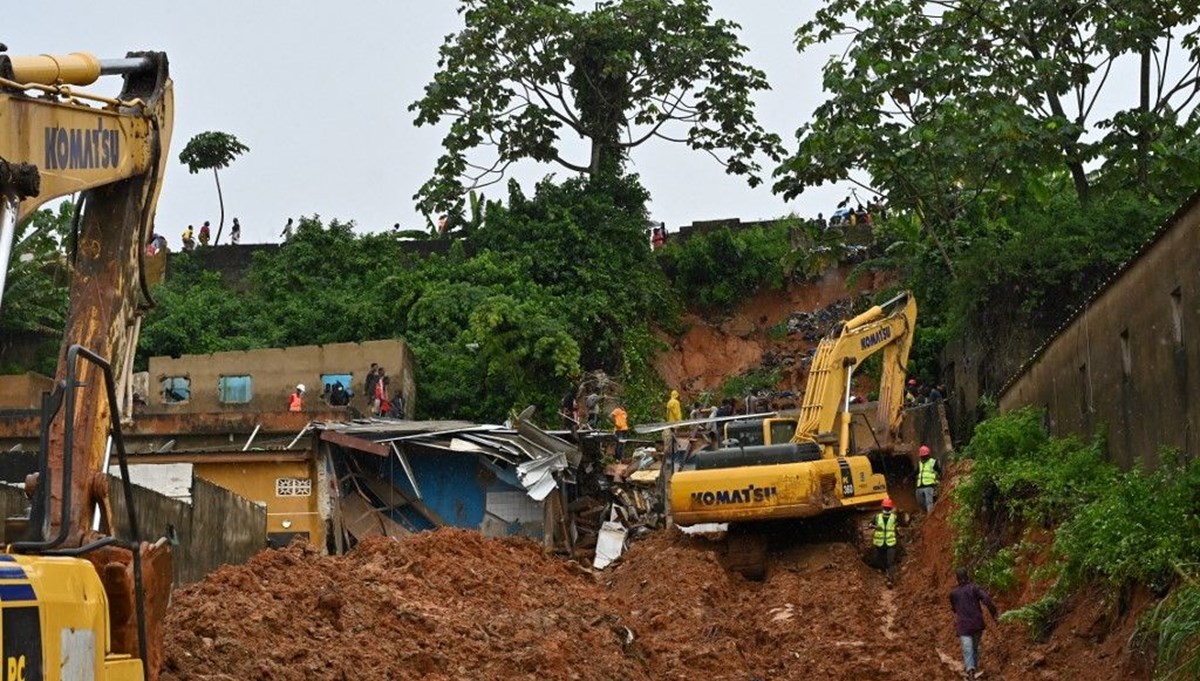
968 619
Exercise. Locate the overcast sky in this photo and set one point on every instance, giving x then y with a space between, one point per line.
319 91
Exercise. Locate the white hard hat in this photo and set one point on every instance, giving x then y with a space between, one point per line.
300 387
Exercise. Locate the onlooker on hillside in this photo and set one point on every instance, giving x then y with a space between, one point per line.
188 241
235 233
968 619
205 233
287 230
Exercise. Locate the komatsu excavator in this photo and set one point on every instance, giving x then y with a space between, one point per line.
759 475
76 602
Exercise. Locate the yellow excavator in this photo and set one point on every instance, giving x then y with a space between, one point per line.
803 466
76 602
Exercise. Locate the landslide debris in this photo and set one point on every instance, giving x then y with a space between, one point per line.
451 604
439 605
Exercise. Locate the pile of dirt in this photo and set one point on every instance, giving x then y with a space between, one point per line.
451 604
440 605
822 613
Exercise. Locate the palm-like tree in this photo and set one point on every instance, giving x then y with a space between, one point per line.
212 150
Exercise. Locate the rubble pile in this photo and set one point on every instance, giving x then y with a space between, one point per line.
815 325
439 605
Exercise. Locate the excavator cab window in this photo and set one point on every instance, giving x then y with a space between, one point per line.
782 430
747 433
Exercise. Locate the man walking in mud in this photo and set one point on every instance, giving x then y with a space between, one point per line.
965 600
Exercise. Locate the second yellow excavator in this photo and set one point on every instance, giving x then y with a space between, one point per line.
758 475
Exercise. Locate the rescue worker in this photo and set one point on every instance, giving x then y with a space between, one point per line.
885 539
296 399
927 479
968 619
910 394
674 409
620 421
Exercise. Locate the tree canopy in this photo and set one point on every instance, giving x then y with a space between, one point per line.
963 103
524 74
552 284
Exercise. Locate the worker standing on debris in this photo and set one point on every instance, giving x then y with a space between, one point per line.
592 402
296 399
620 428
968 619
885 539
674 409
928 472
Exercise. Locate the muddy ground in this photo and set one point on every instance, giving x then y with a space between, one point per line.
453 605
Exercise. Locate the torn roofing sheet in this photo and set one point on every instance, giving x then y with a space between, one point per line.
539 457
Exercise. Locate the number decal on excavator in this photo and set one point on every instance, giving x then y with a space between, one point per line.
22 644
847 477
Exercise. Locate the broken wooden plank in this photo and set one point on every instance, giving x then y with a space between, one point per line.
386 490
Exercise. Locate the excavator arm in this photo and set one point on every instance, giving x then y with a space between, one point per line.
886 328
56 141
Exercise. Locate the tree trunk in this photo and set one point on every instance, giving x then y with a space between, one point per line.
221 201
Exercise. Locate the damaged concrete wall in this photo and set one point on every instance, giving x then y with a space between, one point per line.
218 528
1128 364
274 373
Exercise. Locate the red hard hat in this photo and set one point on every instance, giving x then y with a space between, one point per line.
888 503
912 381
924 450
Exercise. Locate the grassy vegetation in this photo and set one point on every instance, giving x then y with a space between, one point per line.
1113 528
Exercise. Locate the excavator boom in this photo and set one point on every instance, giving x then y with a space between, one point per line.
99 599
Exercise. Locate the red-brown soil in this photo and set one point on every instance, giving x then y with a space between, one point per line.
709 351
452 605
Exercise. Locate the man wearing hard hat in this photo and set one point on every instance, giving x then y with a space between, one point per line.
885 538
928 472
296 399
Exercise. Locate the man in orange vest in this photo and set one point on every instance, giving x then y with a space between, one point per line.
296 399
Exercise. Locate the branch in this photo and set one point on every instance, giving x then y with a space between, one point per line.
1099 88
666 117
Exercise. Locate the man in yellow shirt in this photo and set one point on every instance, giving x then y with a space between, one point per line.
620 427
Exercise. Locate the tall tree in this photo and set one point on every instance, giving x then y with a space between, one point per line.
212 150
950 103
522 73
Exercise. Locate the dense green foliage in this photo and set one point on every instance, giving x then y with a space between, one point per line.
1009 191
35 290
521 73
550 286
718 269
1117 528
